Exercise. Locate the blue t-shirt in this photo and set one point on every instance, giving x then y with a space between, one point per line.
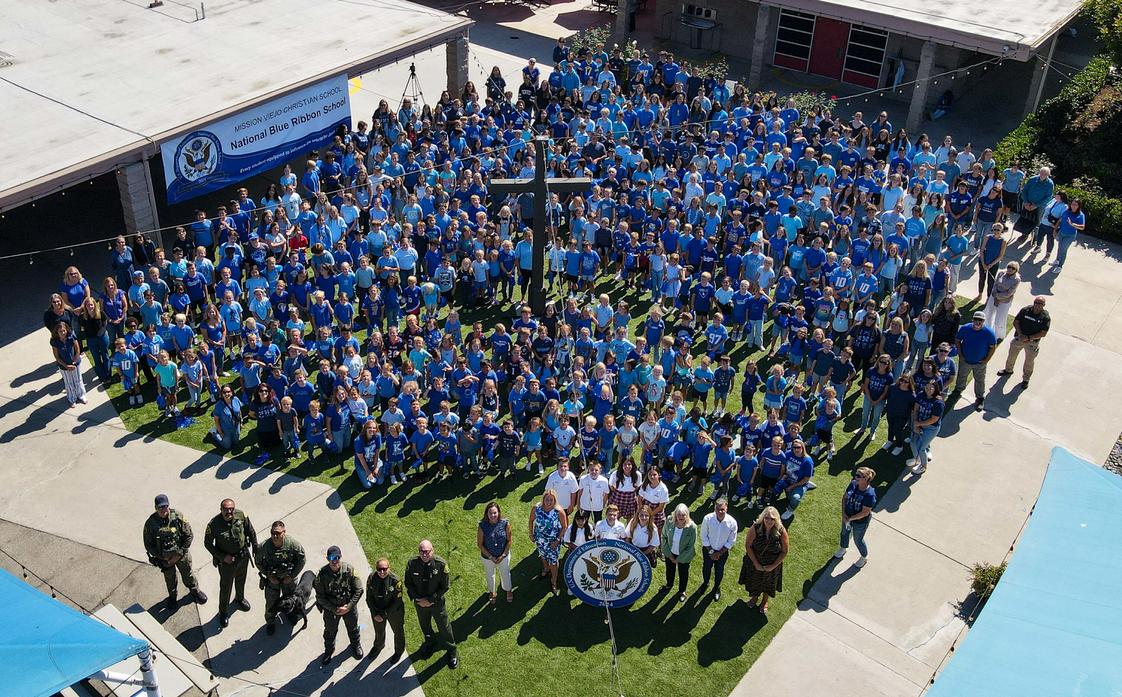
976 343
797 467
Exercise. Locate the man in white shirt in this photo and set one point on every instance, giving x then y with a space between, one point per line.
565 484
594 492
718 535
610 528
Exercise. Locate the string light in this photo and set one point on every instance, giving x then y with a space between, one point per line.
879 92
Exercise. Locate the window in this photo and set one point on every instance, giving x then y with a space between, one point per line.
793 40
865 56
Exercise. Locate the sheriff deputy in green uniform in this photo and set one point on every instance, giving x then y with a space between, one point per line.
383 597
280 559
167 540
337 594
426 581
230 539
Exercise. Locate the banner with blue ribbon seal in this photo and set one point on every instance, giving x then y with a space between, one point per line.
229 151
607 573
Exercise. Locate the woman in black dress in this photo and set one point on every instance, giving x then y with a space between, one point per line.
765 547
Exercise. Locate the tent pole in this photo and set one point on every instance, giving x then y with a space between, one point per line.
148 671
117 678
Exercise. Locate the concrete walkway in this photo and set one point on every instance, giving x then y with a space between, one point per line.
887 628
76 487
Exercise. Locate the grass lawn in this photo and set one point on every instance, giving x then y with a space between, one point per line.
698 648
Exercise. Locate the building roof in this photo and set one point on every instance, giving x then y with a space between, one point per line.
86 85
996 27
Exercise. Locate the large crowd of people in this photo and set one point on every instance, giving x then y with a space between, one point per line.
730 244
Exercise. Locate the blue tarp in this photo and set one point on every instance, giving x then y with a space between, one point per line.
1053 626
46 646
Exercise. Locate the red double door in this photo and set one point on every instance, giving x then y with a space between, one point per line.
827 54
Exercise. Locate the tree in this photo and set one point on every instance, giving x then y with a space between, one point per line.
1107 15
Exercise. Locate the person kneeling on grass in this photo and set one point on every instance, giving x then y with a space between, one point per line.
368 466
798 470
773 461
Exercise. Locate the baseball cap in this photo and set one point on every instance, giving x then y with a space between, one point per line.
980 315
161 500
138 273
334 553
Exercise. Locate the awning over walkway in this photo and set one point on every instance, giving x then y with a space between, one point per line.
1053 626
46 646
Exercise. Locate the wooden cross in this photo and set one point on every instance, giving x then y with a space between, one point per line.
541 187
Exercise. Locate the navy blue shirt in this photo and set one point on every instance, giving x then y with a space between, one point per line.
855 500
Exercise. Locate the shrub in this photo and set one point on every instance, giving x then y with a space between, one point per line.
1078 133
984 578
1104 212
1022 144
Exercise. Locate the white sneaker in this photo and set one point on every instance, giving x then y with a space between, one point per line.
787 515
811 486
393 479
919 468
840 553
911 461
541 470
930 457
859 432
404 477
1056 269
860 563
887 446
734 499
897 450
829 456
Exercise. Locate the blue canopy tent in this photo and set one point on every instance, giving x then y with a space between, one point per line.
46 646
1053 625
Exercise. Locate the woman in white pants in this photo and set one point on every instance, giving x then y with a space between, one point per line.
68 357
493 539
1001 298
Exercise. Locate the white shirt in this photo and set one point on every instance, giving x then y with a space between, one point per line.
649 432
607 531
593 493
676 541
718 534
641 538
621 481
655 495
579 538
565 487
